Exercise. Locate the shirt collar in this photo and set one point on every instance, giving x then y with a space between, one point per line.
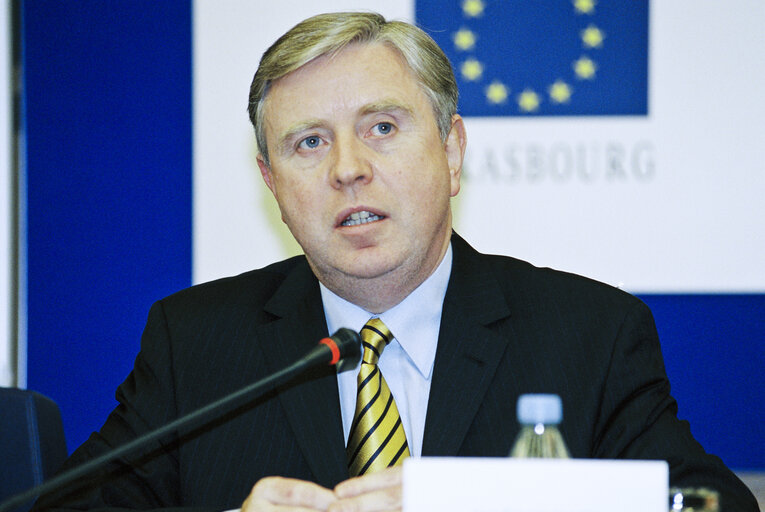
414 322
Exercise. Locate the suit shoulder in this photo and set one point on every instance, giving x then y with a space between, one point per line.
522 277
252 288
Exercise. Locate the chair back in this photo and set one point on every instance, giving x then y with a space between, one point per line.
32 444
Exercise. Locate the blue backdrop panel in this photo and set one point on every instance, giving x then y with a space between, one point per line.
108 124
714 350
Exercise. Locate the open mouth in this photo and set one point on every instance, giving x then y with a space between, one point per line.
361 217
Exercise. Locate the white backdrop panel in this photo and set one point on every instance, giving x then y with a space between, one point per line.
6 290
671 202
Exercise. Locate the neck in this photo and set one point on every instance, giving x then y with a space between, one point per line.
380 293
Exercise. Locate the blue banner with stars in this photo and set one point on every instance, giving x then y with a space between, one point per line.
544 58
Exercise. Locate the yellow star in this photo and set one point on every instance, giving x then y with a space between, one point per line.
560 92
528 100
497 93
464 39
471 70
585 68
472 8
585 6
592 37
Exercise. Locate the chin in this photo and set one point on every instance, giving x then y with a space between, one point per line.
367 271
368 268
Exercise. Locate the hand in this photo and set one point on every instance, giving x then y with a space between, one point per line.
287 494
379 491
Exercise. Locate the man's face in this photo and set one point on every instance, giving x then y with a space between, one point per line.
361 175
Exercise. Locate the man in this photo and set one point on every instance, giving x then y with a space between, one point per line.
361 145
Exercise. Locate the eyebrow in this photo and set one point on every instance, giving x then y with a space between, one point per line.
387 107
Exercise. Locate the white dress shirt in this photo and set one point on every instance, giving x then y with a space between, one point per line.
407 362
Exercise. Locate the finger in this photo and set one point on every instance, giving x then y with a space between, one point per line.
288 492
389 477
263 506
381 500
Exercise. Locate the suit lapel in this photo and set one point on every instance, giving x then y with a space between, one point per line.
311 401
468 351
466 360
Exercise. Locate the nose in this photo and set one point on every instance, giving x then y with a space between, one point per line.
351 165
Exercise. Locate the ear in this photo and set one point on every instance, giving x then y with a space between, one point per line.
265 171
455 145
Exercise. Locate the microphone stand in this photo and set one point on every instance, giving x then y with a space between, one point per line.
346 346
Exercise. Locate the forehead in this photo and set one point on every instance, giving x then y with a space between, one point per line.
360 74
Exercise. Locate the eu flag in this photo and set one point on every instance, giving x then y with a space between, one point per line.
544 57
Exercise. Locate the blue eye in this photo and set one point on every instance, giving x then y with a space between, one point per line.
383 128
311 142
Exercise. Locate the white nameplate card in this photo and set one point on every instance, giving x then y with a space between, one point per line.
452 484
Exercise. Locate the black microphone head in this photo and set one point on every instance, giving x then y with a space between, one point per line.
349 343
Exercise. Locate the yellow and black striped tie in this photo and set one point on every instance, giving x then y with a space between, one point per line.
377 439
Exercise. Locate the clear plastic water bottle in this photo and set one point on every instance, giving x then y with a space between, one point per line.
539 416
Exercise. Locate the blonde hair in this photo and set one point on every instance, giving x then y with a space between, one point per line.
327 34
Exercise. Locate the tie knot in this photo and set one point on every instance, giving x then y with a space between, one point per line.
375 335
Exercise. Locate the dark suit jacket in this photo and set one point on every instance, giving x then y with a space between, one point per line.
508 328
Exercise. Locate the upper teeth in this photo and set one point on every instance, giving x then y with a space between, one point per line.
360 218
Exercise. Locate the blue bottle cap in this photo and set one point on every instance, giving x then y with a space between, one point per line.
539 408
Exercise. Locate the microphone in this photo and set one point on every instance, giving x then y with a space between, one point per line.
342 347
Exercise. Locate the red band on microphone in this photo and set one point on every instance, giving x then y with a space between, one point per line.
333 347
